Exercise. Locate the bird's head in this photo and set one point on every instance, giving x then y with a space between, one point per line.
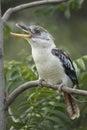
37 36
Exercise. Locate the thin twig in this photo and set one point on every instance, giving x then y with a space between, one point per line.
12 115
37 83
29 5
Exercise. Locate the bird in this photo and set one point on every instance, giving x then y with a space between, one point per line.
53 64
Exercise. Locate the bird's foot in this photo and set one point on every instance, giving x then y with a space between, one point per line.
41 82
76 86
60 87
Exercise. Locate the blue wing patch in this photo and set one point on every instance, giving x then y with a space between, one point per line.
67 64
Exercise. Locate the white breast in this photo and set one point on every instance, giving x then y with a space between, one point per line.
49 66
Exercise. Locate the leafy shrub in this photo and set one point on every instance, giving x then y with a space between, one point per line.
41 108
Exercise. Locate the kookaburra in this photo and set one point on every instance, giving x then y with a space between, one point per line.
53 65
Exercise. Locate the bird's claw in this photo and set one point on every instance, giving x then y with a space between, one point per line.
41 82
60 87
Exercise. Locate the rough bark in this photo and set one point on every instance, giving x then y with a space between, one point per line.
2 89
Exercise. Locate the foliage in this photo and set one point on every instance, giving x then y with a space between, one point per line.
64 7
41 108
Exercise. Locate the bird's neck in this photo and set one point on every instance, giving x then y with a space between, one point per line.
43 46
42 53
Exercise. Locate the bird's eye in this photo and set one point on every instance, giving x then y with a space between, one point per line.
37 31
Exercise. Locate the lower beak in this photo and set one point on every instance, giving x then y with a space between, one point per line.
25 29
22 35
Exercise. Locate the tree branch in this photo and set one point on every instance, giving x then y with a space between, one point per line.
29 5
37 83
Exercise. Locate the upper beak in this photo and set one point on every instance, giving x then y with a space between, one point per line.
25 29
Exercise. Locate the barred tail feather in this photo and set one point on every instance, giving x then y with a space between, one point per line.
71 106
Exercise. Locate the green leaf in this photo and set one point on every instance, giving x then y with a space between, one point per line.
84 57
76 4
81 64
67 13
61 115
54 119
61 7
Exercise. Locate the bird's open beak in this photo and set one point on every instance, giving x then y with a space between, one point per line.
25 29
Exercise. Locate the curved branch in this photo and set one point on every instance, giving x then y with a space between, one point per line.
19 90
29 5
37 83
